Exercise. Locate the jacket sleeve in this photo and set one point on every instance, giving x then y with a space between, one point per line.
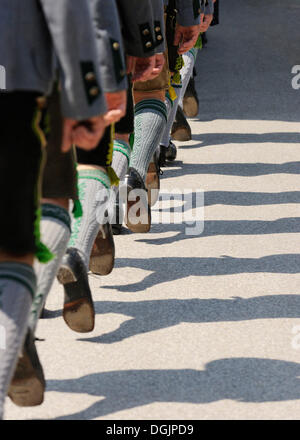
188 12
158 25
70 25
137 27
109 45
209 7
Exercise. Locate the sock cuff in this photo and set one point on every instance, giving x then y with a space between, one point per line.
168 97
193 52
177 86
123 148
98 175
154 105
56 212
21 273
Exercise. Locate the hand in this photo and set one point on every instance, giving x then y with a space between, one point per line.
67 134
144 68
116 105
186 37
85 134
130 64
206 22
159 64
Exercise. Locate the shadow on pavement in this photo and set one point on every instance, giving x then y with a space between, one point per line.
233 198
148 316
213 228
212 139
164 270
231 169
240 379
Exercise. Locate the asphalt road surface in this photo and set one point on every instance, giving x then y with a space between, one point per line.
204 326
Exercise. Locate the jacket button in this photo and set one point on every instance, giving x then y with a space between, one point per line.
159 37
116 46
94 91
146 32
148 44
90 76
157 29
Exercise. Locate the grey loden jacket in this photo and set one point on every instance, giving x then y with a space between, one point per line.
139 19
109 43
32 32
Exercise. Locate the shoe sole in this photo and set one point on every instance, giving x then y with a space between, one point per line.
79 315
182 135
190 107
103 255
28 390
65 275
152 184
139 228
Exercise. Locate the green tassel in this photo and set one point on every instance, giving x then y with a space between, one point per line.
77 209
198 44
43 254
179 63
114 179
172 94
131 140
176 79
111 145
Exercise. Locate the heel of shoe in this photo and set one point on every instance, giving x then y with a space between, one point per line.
65 275
79 315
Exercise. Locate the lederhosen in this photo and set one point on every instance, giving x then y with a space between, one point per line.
21 152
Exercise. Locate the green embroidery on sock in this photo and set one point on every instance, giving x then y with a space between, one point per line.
98 175
77 223
123 152
123 148
168 97
150 105
123 145
104 182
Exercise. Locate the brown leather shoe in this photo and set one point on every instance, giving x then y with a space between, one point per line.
190 100
103 253
78 311
28 383
138 212
153 180
181 130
